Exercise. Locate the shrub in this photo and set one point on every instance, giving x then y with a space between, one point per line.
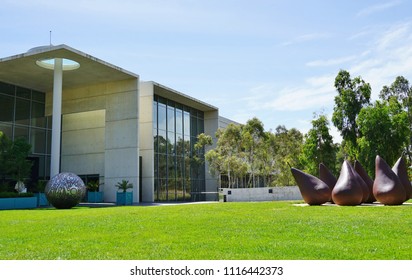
14 194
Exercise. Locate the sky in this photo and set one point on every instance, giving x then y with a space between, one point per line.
271 59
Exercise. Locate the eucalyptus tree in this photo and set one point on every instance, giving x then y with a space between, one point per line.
253 144
402 92
353 95
228 156
288 144
318 147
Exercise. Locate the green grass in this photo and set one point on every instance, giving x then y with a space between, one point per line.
229 231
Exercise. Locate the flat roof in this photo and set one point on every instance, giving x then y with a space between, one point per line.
22 69
181 98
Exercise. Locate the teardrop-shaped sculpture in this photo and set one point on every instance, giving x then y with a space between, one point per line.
314 191
369 182
401 171
387 187
348 190
326 176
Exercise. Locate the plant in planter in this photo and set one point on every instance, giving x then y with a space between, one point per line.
39 193
124 197
15 162
93 193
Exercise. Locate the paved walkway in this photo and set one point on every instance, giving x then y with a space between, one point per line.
112 204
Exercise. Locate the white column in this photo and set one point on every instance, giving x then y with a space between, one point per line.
57 111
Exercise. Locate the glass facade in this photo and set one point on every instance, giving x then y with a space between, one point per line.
22 115
175 128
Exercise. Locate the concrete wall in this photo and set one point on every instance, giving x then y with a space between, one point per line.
146 140
100 133
83 142
261 194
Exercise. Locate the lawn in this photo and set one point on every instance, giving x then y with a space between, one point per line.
214 231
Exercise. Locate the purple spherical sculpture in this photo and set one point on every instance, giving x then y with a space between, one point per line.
65 190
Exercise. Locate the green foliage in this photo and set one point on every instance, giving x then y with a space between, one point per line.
41 185
13 158
401 91
250 157
124 185
353 95
215 231
198 154
15 194
286 150
319 147
93 186
385 132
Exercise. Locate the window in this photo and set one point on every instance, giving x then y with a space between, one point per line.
22 115
175 130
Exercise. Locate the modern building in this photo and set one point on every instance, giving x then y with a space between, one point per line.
89 117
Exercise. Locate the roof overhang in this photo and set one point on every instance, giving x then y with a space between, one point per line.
22 69
182 98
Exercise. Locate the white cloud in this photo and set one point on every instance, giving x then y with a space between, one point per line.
388 56
306 38
315 93
378 8
331 62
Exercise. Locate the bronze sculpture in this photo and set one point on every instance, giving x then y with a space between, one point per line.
387 187
401 171
326 176
354 186
349 189
314 191
369 182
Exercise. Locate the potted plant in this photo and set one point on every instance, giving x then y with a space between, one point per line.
123 197
39 193
93 193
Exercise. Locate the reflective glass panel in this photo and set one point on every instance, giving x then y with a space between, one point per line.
6 108
37 115
22 111
21 132
38 140
23 92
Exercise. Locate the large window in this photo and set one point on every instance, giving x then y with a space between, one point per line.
175 130
22 115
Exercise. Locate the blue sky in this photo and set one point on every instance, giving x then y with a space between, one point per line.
271 59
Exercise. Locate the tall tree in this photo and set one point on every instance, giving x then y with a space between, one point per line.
353 95
13 158
385 132
248 156
402 92
288 145
228 157
253 139
318 147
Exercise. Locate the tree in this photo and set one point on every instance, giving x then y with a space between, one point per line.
198 157
402 92
385 132
288 143
248 156
253 140
318 147
4 147
13 158
353 95
228 158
